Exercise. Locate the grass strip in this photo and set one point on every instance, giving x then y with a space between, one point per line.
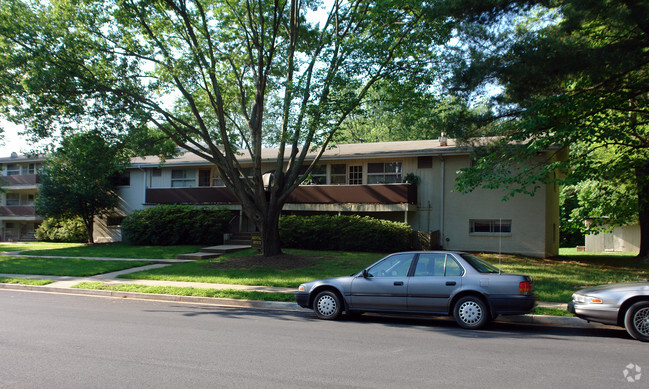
551 312
74 267
24 281
186 291
116 250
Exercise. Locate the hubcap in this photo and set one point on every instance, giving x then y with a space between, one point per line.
470 312
641 321
326 305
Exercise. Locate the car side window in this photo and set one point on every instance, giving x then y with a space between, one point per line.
453 269
430 265
393 266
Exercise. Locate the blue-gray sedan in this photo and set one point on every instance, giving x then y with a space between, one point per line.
431 282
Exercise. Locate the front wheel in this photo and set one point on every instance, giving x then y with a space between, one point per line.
636 321
327 305
471 312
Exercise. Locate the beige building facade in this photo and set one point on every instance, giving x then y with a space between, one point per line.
366 179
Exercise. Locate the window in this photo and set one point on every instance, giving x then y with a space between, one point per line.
32 168
497 226
13 170
318 175
355 175
393 266
114 221
437 265
216 178
13 199
156 172
338 174
384 173
30 199
183 178
123 179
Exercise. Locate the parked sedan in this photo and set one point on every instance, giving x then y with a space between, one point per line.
625 305
432 282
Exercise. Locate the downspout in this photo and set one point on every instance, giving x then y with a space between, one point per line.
441 205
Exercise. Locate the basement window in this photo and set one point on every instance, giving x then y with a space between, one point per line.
490 226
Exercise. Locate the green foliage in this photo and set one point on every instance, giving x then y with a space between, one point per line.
70 230
353 233
570 73
165 225
78 179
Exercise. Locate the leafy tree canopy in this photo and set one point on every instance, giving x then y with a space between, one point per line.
79 179
215 76
572 73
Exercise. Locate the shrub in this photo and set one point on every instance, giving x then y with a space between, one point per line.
175 224
348 233
71 230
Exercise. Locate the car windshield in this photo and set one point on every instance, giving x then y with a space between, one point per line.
479 264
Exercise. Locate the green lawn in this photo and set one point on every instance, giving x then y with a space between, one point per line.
22 246
112 250
325 264
74 267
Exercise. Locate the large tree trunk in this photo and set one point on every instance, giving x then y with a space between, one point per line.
642 181
269 228
89 221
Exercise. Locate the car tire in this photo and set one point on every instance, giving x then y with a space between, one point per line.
471 312
327 305
636 321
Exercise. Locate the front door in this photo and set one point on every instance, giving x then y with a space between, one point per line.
386 285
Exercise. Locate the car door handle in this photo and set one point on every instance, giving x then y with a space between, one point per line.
450 283
398 283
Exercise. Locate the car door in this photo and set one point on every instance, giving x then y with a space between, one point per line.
385 285
435 279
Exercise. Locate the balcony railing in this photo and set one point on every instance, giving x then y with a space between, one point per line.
306 194
19 180
17 210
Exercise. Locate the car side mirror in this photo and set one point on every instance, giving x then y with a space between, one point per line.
365 273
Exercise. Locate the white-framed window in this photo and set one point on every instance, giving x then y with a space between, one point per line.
384 173
490 226
318 175
356 175
13 199
338 174
32 168
216 178
183 178
123 179
13 169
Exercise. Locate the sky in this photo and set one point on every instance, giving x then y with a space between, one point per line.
12 141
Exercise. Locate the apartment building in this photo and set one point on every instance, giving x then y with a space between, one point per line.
18 179
366 179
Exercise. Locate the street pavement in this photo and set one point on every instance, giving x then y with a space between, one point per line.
65 284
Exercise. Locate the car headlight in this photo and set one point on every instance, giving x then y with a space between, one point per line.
301 288
578 298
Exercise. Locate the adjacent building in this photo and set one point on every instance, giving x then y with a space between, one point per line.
18 179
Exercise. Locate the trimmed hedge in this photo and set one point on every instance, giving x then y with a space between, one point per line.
166 225
70 230
345 233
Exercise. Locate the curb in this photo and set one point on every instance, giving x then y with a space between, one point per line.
544 320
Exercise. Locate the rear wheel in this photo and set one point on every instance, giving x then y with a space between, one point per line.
327 305
636 321
471 312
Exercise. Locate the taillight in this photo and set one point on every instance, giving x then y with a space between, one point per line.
525 286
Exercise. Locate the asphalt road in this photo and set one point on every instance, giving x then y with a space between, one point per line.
55 341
